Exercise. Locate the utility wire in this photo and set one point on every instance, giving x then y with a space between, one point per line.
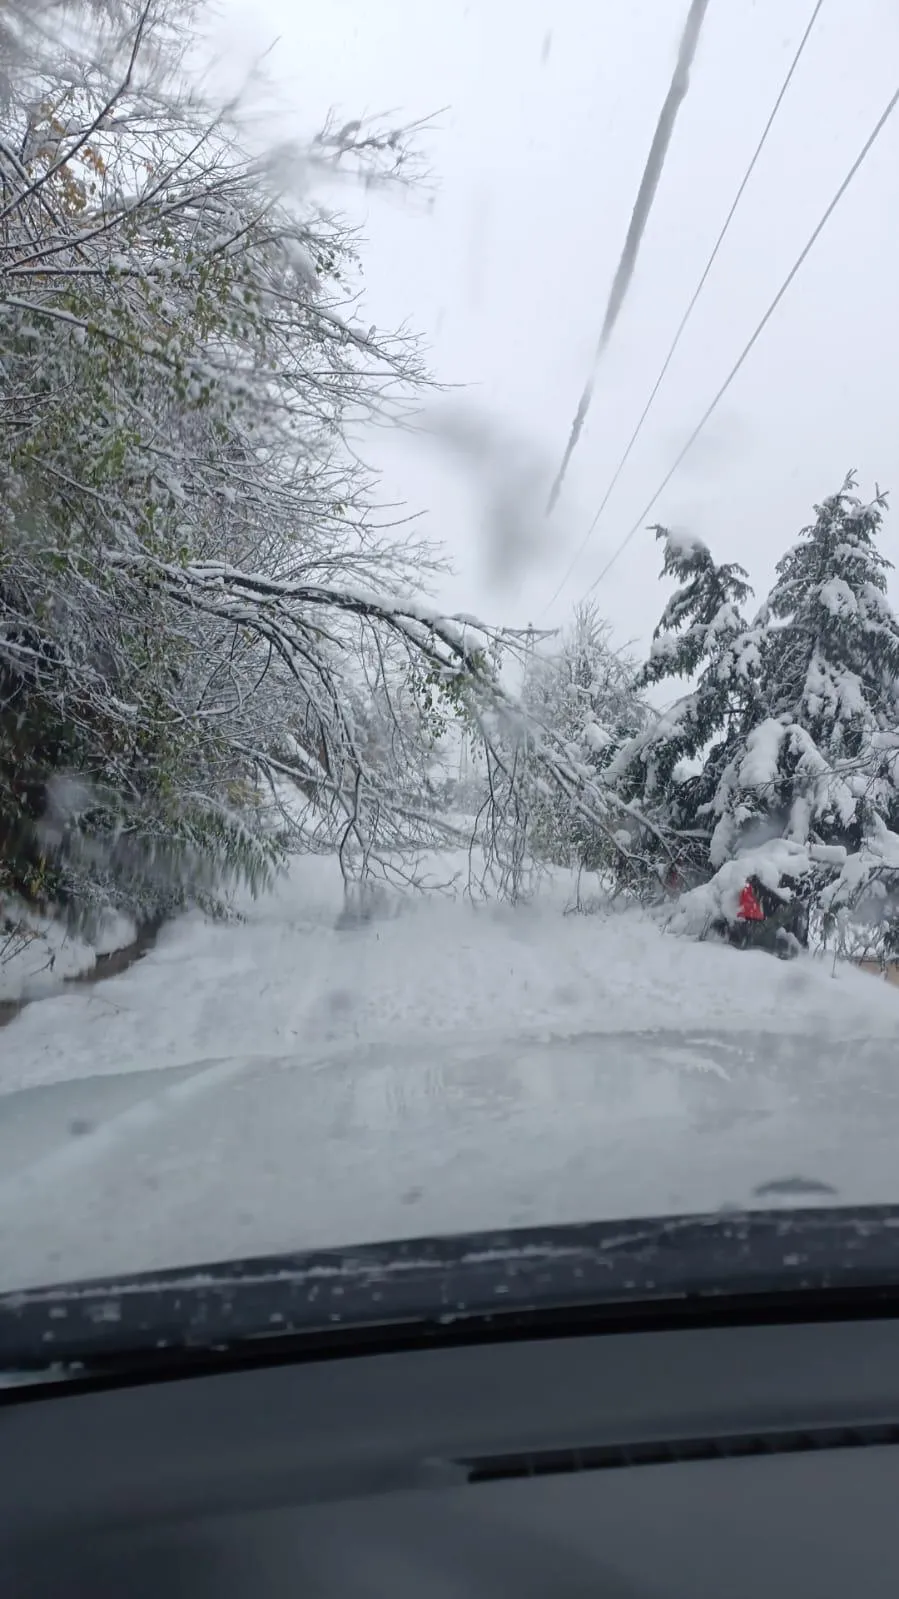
690 308
857 163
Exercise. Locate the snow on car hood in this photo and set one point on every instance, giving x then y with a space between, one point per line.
243 1156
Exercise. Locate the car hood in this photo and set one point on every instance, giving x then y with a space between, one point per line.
379 1140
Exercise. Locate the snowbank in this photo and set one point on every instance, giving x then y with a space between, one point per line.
40 955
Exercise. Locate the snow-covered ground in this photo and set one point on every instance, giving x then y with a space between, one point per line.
41 954
291 1081
290 981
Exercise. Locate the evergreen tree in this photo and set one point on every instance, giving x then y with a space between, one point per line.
821 763
671 768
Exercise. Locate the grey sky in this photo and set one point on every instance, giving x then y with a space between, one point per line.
552 104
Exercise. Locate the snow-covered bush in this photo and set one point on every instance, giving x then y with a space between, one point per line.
585 691
859 905
716 901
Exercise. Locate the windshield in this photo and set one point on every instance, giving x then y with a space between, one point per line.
449 649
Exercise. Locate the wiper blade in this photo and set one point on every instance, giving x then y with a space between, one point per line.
450 1289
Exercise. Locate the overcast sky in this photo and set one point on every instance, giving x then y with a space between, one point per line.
505 270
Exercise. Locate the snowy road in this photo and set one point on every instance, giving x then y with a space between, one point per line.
283 1084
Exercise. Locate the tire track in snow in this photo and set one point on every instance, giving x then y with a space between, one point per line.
78 1152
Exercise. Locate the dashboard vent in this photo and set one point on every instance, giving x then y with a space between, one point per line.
672 1451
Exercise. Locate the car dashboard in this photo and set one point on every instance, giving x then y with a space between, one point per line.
747 1460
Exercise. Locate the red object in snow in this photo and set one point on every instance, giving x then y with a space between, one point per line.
750 910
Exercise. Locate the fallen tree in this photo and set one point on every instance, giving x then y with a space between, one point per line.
192 565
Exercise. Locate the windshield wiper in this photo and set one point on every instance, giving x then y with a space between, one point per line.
593 1277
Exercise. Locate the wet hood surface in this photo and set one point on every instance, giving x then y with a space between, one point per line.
248 1155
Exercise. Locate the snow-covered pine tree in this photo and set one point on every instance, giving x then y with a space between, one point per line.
818 768
822 763
670 768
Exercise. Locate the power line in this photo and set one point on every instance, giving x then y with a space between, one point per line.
690 308
857 163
